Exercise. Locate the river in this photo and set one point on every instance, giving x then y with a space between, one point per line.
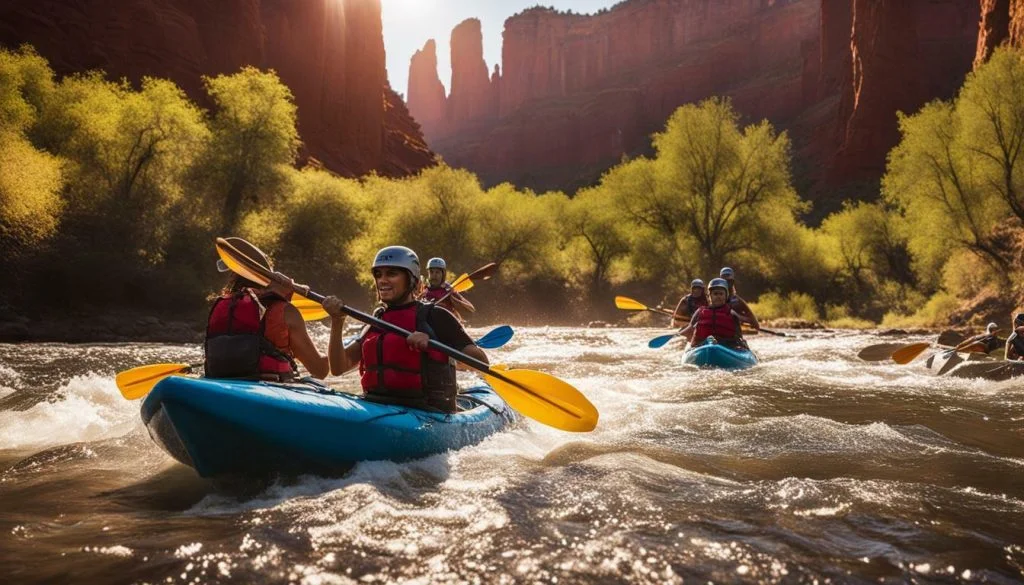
812 467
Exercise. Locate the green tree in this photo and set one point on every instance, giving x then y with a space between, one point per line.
26 83
597 237
255 140
30 184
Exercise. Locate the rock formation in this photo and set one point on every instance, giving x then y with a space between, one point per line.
329 52
1002 21
426 92
576 92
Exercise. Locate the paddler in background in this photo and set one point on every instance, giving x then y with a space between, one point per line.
397 370
1015 342
689 304
718 320
255 332
985 343
439 291
737 303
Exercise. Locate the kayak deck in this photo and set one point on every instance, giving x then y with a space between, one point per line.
238 427
719 356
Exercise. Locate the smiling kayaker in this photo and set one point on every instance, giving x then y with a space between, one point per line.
438 289
398 370
254 332
718 319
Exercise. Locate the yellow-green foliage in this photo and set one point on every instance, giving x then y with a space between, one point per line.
30 183
255 140
311 229
26 82
795 305
838 317
934 313
957 171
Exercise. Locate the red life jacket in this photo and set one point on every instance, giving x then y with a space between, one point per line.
236 346
433 294
391 369
693 303
718 322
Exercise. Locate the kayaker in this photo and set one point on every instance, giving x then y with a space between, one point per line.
689 304
718 319
985 343
439 291
396 370
738 303
1015 342
255 332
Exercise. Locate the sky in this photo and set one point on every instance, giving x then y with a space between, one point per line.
408 24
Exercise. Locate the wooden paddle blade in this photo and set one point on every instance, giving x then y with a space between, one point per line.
907 353
628 304
545 399
137 382
241 264
661 340
878 352
495 338
309 309
949 337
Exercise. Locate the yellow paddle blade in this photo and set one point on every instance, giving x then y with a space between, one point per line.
628 304
907 353
463 286
309 309
545 399
241 264
137 382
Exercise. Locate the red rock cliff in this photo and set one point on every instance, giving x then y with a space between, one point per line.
426 92
903 53
329 52
1002 21
471 94
576 92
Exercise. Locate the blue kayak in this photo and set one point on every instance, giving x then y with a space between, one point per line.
238 427
712 355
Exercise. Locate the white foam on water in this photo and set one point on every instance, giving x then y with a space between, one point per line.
87 408
9 380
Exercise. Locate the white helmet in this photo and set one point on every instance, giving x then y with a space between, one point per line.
437 263
399 257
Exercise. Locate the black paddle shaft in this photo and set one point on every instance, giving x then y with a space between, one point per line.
448 351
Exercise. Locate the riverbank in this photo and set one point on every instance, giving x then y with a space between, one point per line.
119 327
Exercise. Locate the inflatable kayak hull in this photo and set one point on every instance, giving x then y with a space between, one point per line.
719 356
232 427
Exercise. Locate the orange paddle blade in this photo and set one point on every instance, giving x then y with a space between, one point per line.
907 353
628 304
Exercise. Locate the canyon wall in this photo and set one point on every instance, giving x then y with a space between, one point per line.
577 92
329 52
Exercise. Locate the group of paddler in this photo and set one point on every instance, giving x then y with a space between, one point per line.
406 354
991 356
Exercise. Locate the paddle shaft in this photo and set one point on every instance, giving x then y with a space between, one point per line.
448 351
470 276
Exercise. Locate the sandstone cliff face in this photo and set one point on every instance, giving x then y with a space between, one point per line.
903 53
426 92
329 52
1002 21
576 92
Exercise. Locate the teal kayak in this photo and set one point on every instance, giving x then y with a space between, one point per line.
712 355
238 427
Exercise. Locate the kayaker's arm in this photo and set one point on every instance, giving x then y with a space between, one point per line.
462 302
678 315
302 346
340 357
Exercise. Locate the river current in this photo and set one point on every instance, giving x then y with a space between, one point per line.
813 467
